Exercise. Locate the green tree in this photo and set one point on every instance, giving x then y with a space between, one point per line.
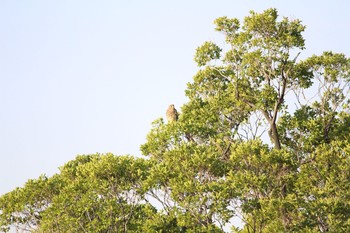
215 163
94 193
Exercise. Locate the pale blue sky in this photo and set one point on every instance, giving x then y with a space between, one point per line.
79 77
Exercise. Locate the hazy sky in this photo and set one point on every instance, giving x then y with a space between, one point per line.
80 76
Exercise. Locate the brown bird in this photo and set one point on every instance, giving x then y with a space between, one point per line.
171 114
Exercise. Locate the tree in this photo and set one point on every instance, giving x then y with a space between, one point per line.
264 138
92 193
242 91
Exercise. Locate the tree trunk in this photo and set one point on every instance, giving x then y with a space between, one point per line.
274 137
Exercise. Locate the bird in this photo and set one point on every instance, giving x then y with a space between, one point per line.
171 114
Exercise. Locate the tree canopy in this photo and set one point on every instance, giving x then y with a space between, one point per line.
262 145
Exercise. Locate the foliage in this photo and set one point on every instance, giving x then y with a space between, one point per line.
92 193
262 145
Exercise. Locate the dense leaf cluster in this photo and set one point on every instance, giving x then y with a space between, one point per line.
263 145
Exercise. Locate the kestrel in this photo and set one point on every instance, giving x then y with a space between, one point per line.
171 114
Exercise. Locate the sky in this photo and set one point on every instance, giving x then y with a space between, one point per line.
83 76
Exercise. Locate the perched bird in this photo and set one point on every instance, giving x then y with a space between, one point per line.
171 114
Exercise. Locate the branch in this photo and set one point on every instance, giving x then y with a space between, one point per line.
281 96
